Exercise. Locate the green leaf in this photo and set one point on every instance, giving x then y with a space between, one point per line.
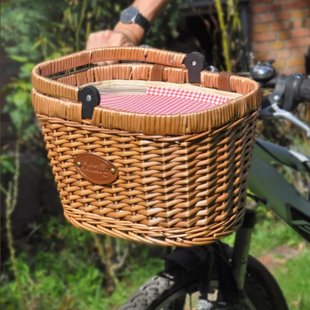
19 58
7 164
21 99
26 69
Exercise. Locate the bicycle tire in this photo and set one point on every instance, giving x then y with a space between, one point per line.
162 292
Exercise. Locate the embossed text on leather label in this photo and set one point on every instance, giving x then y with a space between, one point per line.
95 169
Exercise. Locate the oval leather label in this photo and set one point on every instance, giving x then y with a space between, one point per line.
95 169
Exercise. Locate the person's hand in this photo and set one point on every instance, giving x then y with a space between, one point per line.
106 38
126 34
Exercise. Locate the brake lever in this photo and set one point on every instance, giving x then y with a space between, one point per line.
273 110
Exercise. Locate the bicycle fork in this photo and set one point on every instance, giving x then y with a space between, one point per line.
234 293
241 249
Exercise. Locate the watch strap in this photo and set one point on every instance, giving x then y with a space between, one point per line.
143 22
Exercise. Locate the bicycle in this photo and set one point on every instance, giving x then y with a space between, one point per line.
228 277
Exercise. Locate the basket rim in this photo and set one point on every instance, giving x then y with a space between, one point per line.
57 98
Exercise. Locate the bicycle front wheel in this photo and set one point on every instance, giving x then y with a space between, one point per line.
164 292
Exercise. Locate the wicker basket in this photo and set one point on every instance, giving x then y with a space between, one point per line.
170 180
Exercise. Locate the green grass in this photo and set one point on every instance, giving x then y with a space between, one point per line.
62 270
271 233
292 272
294 279
80 289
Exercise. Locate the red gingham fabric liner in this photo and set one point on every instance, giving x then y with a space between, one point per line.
163 101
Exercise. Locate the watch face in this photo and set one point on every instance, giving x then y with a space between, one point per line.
129 15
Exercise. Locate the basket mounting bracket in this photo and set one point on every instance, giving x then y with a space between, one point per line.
90 98
195 63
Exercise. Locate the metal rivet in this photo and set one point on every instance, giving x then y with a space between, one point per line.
88 98
78 163
113 170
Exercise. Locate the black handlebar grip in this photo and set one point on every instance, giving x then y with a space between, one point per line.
304 91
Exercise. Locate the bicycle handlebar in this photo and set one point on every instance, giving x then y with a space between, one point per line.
293 90
289 91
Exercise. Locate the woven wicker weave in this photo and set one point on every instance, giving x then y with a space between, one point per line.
182 178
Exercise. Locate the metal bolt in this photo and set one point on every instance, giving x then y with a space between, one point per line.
88 98
78 163
113 170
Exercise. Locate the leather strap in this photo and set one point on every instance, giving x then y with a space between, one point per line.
157 73
224 81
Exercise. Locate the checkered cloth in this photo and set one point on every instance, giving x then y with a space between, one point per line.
163 101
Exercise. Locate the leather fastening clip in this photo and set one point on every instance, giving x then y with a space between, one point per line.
90 98
195 63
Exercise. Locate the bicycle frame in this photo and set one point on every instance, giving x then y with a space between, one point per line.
269 186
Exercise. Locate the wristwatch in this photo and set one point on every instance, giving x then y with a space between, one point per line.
131 15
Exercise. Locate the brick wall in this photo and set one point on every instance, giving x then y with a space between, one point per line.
281 31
